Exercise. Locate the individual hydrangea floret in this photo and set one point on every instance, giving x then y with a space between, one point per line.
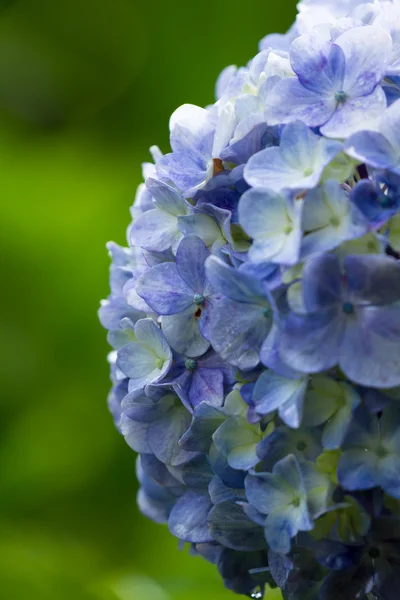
254 317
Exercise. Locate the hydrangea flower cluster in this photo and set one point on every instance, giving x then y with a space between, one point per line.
255 315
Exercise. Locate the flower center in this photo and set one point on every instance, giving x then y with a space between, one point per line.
267 312
341 97
334 221
348 308
198 299
159 363
296 502
308 172
301 446
190 364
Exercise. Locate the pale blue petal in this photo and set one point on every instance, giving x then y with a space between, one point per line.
183 334
188 518
269 169
190 258
356 114
154 230
166 198
237 441
372 148
237 332
135 434
164 434
279 530
369 354
164 290
272 391
367 52
311 343
319 65
150 335
266 492
289 100
230 526
234 284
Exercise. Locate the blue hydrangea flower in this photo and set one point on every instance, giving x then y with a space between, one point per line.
190 165
241 318
254 318
337 84
351 319
297 164
281 495
179 291
329 219
147 359
157 229
274 223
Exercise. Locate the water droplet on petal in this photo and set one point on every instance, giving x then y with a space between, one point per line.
257 593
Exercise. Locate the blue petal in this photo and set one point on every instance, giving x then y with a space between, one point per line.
372 279
206 420
311 343
166 198
237 331
164 435
358 470
289 100
320 66
230 526
183 334
234 284
272 391
372 148
164 290
190 258
322 282
188 518
371 345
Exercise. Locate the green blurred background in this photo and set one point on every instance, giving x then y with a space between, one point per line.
86 86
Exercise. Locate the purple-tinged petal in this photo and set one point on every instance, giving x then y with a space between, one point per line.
164 434
237 332
166 198
369 354
187 170
319 64
311 343
164 290
356 114
183 334
190 258
372 279
192 130
372 148
289 100
188 518
367 52
234 284
321 282
231 527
